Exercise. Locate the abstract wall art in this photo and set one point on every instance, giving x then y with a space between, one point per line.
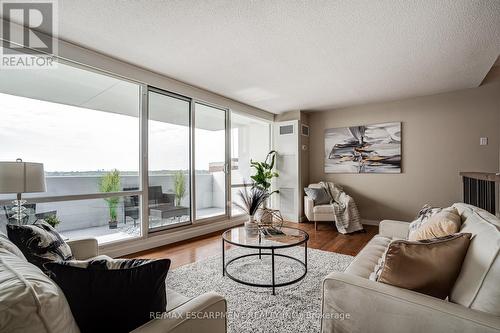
363 149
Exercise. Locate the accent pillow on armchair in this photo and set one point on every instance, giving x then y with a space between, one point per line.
318 195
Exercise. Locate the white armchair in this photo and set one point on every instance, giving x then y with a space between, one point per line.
317 213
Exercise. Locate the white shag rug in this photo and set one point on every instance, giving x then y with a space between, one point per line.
294 308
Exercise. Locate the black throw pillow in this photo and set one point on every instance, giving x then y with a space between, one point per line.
39 242
107 295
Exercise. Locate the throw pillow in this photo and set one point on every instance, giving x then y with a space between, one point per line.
39 242
5 243
30 302
443 223
428 266
318 195
107 295
375 275
423 216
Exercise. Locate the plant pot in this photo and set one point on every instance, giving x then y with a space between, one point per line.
251 226
113 224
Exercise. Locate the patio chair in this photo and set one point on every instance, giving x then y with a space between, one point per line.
157 200
41 216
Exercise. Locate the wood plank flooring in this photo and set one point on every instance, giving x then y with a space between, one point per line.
325 238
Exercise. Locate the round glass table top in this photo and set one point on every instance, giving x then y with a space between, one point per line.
242 237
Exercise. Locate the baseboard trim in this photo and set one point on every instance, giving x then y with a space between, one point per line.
363 221
138 245
370 222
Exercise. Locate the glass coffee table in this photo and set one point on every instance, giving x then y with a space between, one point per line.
265 246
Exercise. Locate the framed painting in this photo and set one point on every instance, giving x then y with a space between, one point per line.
363 149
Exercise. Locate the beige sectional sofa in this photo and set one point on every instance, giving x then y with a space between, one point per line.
31 302
369 306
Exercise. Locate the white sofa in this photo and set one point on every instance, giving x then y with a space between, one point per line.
474 305
317 213
31 302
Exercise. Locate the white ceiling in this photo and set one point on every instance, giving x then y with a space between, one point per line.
86 89
73 86
289 55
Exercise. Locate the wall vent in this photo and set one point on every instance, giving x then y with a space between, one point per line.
304 130
286 129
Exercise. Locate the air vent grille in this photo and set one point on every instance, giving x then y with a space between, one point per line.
305 130
286 129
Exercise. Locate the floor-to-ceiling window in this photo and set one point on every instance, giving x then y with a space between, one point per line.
85 128
250 140
210 161
169 192
108 143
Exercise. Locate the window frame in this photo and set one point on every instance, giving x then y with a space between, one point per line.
227 154
142 153
145 174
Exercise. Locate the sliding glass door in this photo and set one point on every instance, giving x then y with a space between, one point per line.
210 158
175 147
169 199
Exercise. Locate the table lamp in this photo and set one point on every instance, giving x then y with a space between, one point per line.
21 177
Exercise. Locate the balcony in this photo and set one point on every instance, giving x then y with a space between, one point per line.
89 218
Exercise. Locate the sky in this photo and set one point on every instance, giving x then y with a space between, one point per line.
69 138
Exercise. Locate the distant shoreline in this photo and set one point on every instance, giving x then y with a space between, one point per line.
122 173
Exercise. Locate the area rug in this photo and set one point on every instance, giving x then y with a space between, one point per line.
294 308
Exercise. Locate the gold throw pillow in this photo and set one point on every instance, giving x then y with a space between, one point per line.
428 266
446 222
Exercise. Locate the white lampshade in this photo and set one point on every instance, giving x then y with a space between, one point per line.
21 177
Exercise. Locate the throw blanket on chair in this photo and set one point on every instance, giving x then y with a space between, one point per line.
345 211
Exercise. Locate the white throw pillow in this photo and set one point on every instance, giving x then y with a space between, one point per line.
30 301
6 244
424 215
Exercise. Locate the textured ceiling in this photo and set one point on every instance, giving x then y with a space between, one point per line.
289 55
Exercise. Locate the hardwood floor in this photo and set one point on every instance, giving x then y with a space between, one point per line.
325 238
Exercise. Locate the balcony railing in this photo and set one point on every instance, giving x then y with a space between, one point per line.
90 217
